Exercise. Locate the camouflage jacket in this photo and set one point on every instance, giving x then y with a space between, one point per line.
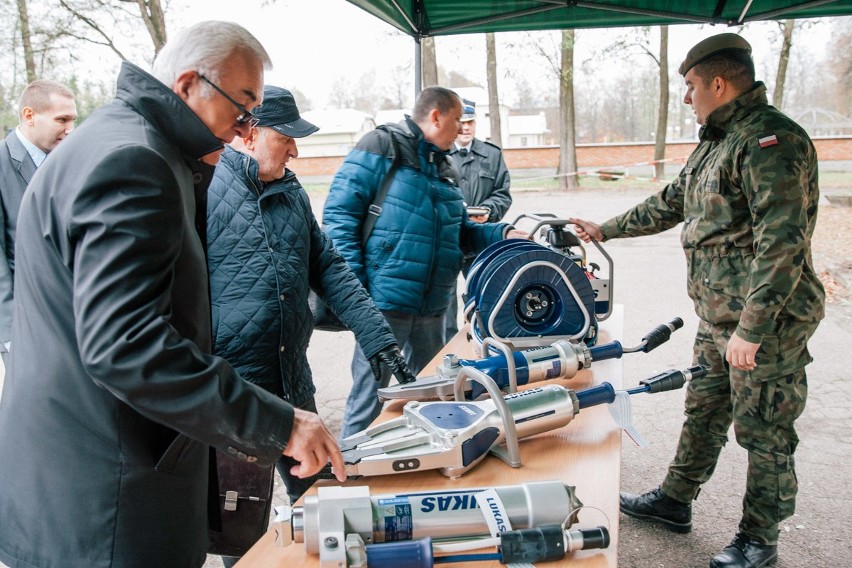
748 200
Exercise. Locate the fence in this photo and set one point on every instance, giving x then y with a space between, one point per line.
588 155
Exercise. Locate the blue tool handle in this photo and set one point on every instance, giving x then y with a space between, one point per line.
401 554
612 350
601 394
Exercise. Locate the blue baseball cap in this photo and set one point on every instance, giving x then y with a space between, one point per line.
279 112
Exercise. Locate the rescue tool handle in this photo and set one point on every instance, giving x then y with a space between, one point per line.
601 394
661 334
548 542
612 350
671 380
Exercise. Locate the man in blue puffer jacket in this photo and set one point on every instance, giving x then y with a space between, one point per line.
266 251
415 251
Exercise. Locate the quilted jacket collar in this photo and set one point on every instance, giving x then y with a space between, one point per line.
246 169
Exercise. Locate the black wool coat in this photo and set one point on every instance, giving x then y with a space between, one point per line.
111 399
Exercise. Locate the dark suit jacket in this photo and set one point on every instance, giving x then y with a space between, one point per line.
16 170
112 400
484 178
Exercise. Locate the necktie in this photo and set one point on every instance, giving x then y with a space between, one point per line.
463 152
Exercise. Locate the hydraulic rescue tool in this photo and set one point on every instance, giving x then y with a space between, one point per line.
525 294
455 436
348 527
560 360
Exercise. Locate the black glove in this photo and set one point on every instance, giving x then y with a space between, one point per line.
391 357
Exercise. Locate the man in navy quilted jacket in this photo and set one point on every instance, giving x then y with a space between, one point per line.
266 251
415 251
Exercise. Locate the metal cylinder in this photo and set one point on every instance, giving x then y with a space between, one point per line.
438 514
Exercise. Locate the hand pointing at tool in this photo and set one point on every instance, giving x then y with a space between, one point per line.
313 446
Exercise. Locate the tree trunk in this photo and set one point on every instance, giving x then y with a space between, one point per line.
783 60
430 62
26 40
152 14
493 99
663 112
567 142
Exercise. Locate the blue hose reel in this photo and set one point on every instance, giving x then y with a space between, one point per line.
524 294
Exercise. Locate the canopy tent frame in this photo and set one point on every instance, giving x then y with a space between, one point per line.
425 18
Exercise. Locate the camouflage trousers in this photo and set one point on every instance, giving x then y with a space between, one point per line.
763 405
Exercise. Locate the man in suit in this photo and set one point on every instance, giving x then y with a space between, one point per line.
46 115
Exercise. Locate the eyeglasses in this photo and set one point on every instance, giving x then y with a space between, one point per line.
245 117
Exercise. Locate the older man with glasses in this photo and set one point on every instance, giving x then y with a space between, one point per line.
265 253
112 400
245 116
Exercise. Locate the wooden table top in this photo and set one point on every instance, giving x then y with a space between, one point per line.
586 453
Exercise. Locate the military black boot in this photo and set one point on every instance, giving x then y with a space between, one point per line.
657 506
743 552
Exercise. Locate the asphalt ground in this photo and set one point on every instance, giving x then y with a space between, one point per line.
649 281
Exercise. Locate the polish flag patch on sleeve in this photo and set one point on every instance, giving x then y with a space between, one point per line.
767 141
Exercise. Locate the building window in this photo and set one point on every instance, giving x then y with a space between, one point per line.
524 141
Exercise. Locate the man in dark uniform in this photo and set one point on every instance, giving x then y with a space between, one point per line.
748 199
484 181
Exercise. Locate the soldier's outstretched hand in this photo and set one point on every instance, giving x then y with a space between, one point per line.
313 446
587 230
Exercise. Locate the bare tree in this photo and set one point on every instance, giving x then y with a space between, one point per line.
341 94
783 60
26 40
841 64
663 108
103 38
567 142
155 21
640 39
100 21
559 58
400 88
430 62
453 79
493 98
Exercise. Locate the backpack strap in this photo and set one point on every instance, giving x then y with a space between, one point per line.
375 208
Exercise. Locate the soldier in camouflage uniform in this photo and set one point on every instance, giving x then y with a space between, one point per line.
748 200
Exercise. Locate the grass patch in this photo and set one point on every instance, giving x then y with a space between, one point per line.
586 182
827 180
835 180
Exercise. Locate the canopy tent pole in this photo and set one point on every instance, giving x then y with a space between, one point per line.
418 67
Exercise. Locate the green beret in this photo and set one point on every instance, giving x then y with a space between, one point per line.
712 46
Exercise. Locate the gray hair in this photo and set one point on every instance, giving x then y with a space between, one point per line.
204 47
